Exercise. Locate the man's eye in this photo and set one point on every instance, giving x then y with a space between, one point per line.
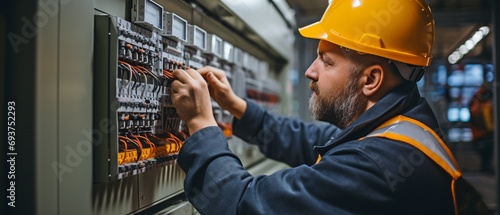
326 62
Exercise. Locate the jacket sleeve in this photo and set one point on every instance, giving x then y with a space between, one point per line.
216 182
282 138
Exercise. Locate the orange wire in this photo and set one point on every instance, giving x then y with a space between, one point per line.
137 69
172 139
183 135
136 143
132 68
168 74
147 141
126 64
148 71
140 143
125 146
152 135
454 196
133 141
169 145
166 139
151 144
177 141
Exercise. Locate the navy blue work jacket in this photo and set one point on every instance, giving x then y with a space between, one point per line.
368 176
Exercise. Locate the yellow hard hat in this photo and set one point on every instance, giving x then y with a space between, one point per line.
398 30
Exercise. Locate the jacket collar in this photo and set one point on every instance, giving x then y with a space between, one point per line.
396 102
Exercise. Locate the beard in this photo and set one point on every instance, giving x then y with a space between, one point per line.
341 109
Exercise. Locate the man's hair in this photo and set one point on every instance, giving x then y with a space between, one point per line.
361 61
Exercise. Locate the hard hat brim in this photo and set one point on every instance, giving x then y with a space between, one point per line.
313 31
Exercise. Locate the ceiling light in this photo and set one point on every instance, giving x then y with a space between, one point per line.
470 44
463 50
485 30
478 36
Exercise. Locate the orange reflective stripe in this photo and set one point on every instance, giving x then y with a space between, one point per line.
436 158
390 130
426 128
410 131
319 158
454 196
392 126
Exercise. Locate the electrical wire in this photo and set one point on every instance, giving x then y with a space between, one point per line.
151 135
168 74
138 144
154 76
125 150
151 145
176 140
131 73
150 142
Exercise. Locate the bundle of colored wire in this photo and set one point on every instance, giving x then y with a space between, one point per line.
167 74
151 145
135 142
125 151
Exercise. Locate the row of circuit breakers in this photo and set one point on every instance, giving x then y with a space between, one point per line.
132 77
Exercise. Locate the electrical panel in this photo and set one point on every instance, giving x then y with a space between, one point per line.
131 92
133 73
137 131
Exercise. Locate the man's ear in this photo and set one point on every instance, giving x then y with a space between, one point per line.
372 79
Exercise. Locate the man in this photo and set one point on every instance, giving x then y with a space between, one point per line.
370 54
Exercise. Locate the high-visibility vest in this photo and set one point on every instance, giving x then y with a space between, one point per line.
420 136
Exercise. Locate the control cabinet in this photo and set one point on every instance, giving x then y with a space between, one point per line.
137 132
132 93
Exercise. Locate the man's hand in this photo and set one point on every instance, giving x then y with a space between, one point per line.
221 91
191 98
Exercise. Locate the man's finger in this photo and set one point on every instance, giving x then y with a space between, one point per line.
214 81
217 72
176 85
194 74
177 88
182 76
